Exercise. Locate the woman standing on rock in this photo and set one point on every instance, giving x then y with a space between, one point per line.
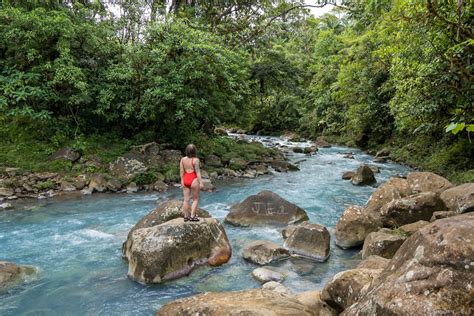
190 181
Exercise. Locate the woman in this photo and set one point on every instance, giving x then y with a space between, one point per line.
190 181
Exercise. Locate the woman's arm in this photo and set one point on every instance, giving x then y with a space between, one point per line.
181 171
197 164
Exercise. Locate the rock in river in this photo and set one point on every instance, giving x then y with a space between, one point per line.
363 176
263 252
172 249
265 207
431 274
264 275
353 226
248 302
309 240
11 273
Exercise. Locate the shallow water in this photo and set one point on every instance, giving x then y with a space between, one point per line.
76 244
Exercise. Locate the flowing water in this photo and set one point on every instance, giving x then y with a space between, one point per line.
76 244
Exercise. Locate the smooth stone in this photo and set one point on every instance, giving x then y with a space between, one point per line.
309 240
265 274
264 252
383 243
353 227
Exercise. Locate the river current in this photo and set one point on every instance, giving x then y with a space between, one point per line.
76 243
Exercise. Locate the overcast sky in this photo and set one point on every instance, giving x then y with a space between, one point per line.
318 11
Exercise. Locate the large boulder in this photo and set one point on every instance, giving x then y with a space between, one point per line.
347 287
173 249
412 228
373 262
427 182
166 211
353 226
263 252
98 183
10 273
394 188
256 302
265 207
431 274
363 176
127 166
411 209
313 300
459 199
309 240
384 243
68 154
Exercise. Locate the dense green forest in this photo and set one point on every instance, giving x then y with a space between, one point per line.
375 73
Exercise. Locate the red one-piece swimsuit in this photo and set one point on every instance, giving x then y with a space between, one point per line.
189 177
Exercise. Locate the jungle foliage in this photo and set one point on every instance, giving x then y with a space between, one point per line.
376 73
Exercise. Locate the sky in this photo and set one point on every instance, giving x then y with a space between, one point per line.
318 11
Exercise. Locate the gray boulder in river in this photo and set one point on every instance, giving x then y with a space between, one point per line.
173 249
353 226
263 208
309 240
11 274
431 274
363 176
263 252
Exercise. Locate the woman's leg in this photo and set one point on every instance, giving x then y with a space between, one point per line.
186 193
195 188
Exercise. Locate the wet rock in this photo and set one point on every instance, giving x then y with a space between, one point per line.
431 274
220 131
298 150
440 215
373 262
6 192
265 274
412 228
348 175
247 302
288 230
213 161
312 299
309 240
427 182
11 274
310 150
249 173
173 249
374 169
113 185
353 226
67 186
411 209
98 183
321 142
283 166
85 191
229 172
265 207
166 211
208 186
160 186
132 187
80 182
6 206
363 176
66 154
127 166
380 159
459 199
261 169
264 252
347 287
384 243
348 156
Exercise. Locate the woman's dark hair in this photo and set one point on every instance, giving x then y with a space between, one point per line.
191 151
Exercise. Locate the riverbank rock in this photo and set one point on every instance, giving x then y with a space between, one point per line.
411 209
353 226
384 152
309 240
263 252
98 183
173 249
427 182
10 273
373 262
412 228
283 166
431 274
127 166
440 215
384 243
347 287
363 176
68 154
459 199
265 274
265 207
394 188
321 142
247 302
213 161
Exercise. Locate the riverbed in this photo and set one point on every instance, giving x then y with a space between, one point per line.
76 244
